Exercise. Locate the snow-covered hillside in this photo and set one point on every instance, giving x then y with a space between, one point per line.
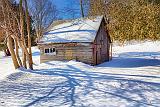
131 79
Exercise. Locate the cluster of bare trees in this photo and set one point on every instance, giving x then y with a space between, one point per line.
43 13
15 23
12 23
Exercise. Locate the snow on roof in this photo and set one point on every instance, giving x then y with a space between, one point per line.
79 30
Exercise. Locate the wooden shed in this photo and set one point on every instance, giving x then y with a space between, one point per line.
84 40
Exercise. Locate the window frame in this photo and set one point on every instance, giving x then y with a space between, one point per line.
50 51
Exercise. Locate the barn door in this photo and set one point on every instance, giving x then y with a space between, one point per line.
69 54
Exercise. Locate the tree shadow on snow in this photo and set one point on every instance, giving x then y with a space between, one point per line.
35 53
75 87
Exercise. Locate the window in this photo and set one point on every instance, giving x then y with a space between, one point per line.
51 51
46 50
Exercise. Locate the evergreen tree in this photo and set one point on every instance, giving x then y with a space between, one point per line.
130 19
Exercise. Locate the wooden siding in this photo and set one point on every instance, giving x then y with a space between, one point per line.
68 52
101 46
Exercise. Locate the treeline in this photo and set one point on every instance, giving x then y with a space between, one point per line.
129 19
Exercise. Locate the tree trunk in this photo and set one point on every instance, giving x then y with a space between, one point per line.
81 6
29 38
22 32
17 52
11 49
24 59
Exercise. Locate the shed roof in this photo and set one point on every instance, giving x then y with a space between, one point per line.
79 30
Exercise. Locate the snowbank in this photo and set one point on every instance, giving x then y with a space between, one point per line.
131 79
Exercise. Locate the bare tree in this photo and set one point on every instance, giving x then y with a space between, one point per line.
13 25
29 36
43 13
22 31
7 25
70 10
76 9
81 8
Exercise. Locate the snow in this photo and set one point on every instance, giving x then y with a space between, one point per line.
6 66
131 79
79 30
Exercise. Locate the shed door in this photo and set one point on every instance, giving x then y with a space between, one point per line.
96 57
69 54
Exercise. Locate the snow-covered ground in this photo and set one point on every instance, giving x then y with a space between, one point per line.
131 79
